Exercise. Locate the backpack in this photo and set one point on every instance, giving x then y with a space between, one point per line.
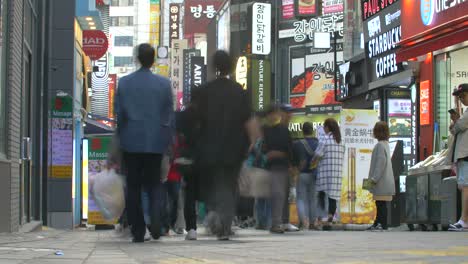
312 162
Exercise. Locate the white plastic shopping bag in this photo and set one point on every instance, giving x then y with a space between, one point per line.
108 193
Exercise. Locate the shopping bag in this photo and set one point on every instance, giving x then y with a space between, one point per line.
108 193
254 182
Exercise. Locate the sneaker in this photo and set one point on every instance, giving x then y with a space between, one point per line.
147 236
191 235
290 228
458 226
277 230
377 228
178 231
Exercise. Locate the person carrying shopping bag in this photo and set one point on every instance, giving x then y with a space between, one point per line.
381 182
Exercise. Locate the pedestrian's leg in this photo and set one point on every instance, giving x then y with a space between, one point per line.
285 218
383 214
152 182
279 180
226 199
331 209
301 201
312 198
134 208
173 193
378 214
189 207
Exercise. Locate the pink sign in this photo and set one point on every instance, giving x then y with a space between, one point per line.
288 9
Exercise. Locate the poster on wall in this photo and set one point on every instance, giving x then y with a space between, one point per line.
287 9
98 148
177 78
307 8
62 137
312 75
357 205
315 115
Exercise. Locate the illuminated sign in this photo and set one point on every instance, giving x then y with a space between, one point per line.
241 72
424 103
261 29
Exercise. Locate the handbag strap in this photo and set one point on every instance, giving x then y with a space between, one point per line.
307 147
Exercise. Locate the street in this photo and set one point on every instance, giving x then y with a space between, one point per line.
247 246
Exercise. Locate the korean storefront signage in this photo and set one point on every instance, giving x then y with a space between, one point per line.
187 91
261 28
332 7
112 90
372 7
287 9
198 72
312 75
178 45
61 137
241 71
98 148
155 18
357 126
306 8
304 30
315 115
198 14
424 103
174 22
382 34
261 84
95 43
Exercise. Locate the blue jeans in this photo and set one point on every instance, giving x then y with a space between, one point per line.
263 212
306 198
160 203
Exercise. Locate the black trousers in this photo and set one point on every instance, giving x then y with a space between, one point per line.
143 173
381 214
190 199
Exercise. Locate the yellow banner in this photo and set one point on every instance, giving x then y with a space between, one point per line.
155 15
62 172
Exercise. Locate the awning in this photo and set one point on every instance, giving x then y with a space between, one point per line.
432 44
400 79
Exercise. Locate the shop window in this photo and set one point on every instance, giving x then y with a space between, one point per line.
2 80
122 3
123 41
123 61
122 21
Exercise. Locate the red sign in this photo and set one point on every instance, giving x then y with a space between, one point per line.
288 9
95 43
427 18
112 88
198 14
424 103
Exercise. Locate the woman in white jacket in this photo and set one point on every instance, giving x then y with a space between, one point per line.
381 175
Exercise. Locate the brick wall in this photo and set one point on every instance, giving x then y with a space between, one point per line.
14 82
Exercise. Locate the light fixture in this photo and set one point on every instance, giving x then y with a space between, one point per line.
89 19
91 23
92 27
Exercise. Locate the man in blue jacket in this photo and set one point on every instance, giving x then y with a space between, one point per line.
145 113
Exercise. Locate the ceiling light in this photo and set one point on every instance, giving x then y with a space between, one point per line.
92 27
89 19
91 23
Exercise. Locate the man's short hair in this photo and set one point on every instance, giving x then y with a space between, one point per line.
307 129
145 55
223 63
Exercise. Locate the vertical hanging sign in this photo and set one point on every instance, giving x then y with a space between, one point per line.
155 16
198 73
261 84
188 55
261 28
178 46
424 103
174 22
112 90
62 137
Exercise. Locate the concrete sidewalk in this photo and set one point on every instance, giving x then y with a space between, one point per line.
247 246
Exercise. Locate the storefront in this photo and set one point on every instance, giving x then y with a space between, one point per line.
435 38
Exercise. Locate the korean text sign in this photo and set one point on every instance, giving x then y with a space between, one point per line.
174 22
261 28
198 14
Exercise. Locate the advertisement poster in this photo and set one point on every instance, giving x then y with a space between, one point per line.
177 78
332 7
288 9
399 107
312 75
62 138
357 205
306 7
315 115
98 148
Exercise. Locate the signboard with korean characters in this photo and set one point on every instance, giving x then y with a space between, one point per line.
174 22
178 46
198 14
261 28
382 35
357 205
303 30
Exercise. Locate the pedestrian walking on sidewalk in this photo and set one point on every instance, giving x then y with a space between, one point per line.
145 114
308 163
381 175
223 111
330 169
459 155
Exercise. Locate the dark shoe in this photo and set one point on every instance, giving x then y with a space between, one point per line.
277 230
372 227
138 240
223 238
327 228
314 227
